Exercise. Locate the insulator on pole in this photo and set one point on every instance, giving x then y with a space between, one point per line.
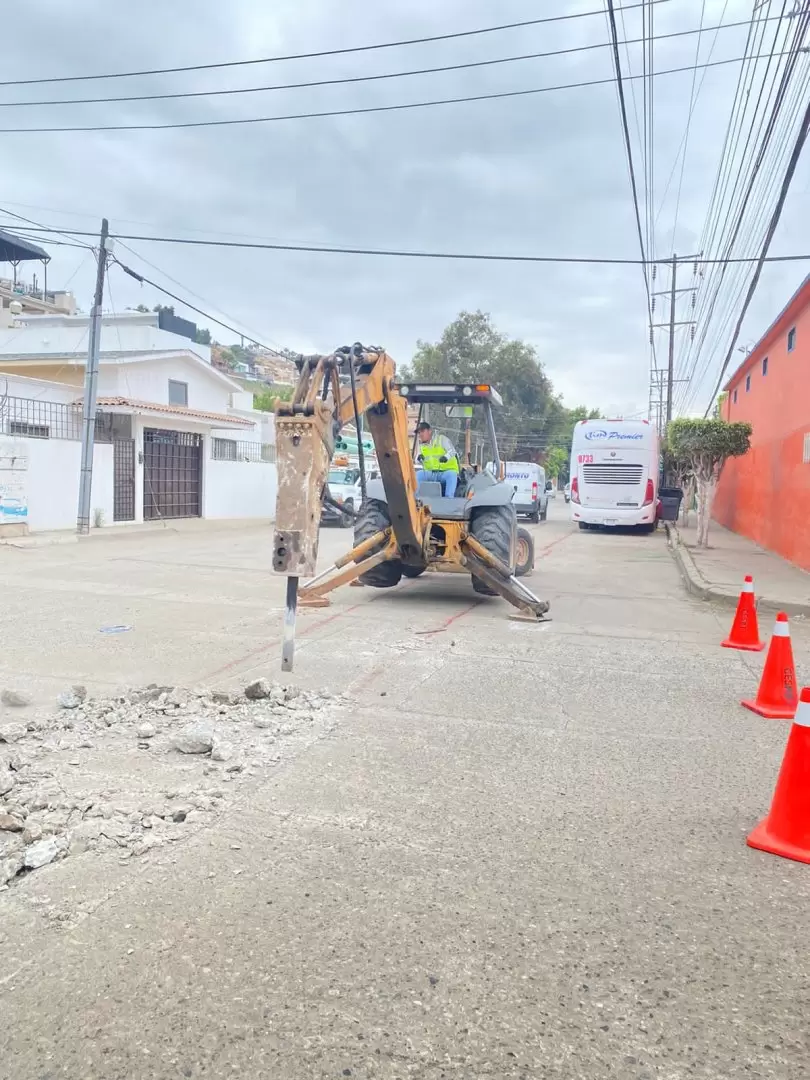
694 300
654 271
692 332
653 305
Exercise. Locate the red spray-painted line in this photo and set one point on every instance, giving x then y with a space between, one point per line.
274 642
449 622
544 551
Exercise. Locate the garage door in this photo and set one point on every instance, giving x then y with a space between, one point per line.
172 474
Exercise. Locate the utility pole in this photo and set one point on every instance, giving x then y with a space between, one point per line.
665 404
91 389
671 357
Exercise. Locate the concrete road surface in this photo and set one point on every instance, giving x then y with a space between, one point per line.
520 853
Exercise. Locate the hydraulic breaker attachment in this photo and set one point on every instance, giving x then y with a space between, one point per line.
303 450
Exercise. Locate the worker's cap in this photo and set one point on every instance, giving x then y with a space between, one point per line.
424 426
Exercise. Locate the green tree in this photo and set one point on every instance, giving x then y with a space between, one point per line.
265 400
557 463
203 336
704 446
164 307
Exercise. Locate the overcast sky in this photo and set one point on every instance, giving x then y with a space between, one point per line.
542 174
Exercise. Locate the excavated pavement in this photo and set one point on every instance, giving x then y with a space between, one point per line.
473 848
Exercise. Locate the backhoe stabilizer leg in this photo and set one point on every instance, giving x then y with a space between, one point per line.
507 586
349 567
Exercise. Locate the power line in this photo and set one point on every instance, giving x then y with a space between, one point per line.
444 255
628 149
689 116
38 224
777 213
760 203
742 96
747 171
250 334
325 113
682 146
147 281
360 78
320 53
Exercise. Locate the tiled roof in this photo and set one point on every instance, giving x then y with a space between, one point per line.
172 410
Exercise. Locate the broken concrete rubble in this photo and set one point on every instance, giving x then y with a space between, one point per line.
14 699
258 690
202 745
72 698
42 852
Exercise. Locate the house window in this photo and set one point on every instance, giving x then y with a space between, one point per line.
735 397
764 365
747 383
791 339
33 431
178 393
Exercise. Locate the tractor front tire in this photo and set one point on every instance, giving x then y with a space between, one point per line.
373 518
412 571
494 527
524 557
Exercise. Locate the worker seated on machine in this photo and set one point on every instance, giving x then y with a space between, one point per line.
437 459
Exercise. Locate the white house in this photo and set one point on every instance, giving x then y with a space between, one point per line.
175 437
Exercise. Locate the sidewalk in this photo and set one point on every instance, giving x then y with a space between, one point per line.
717 573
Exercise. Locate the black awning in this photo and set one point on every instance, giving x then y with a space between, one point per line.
14 250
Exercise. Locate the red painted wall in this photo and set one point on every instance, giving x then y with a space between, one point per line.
766 494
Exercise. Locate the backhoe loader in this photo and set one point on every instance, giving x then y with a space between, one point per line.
402 529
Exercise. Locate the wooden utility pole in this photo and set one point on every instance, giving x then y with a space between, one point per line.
91 389
671 356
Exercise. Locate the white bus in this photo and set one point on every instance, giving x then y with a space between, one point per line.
614 473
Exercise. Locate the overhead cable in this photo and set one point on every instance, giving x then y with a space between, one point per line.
319 53
360 111
231 92
389 253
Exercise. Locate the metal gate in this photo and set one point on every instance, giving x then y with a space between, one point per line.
172 474
124 480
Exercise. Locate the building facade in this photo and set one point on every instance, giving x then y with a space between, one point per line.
175 437
765 495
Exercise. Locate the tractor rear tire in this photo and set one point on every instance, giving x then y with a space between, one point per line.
373 518
495 528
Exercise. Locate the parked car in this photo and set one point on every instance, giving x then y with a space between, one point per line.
567 492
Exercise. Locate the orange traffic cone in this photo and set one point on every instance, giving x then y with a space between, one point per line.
745 629
776 696
786 829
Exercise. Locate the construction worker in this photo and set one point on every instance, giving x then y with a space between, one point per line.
438 459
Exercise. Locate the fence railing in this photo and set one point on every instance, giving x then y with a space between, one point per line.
32 418
237 450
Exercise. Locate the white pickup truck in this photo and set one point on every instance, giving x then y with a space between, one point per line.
343 485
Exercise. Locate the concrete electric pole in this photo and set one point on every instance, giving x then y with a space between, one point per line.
91 389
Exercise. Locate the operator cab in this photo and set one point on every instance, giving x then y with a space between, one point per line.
464 404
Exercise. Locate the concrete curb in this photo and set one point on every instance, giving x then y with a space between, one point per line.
696 584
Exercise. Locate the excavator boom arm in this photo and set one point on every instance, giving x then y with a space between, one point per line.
306 428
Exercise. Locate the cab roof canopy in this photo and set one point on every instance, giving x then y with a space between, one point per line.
423 393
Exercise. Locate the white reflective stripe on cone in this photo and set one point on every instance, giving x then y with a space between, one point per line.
781 629
748 586
802 717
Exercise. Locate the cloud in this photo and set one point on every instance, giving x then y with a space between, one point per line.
541 174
